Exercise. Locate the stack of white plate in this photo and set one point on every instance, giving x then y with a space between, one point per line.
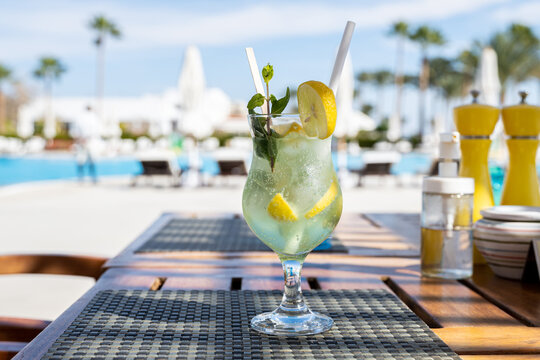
504 235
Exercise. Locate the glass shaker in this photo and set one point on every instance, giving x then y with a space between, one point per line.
447 208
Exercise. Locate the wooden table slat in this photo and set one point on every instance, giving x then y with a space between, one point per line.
500 357
447 303
489 340
520 299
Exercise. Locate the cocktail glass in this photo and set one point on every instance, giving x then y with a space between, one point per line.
292 208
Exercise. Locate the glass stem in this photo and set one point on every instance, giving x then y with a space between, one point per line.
293 301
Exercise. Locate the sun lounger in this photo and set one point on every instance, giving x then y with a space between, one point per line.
232 167
231 162
378 163
16 332
159 164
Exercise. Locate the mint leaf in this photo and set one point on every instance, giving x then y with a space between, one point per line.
256 101
264 137
257 124
261 147
272 151
279 105
267 73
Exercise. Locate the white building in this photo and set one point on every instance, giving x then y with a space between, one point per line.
191 108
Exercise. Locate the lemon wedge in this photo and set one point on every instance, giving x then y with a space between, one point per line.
317 108
287 128
279 209
324 201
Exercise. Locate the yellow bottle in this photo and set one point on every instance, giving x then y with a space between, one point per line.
522 125
475 123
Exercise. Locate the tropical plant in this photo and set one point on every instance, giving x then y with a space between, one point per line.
518 55
410 80
446 79
103 28
5 74
362 78
439 68
467 64
380 79
367 109
400 30
425 37
49 69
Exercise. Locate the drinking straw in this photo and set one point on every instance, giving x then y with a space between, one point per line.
256 75
341 55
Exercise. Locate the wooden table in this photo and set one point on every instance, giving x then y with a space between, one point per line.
485 317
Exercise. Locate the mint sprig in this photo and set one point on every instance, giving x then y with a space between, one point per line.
265 136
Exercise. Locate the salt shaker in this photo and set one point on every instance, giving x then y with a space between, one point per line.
447 208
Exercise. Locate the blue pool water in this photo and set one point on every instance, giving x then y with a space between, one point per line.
23 169
15 170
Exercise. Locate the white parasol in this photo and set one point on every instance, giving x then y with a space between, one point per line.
349 120
488 83
201 109
487 78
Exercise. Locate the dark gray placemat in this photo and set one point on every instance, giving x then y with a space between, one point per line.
223 235
202 324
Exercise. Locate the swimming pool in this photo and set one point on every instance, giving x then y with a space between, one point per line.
14 170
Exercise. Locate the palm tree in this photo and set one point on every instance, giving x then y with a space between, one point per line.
536 74
410 80
380 79
362 78
49 70
518 56
5 74
446 80
400 30
425 37
103 27
439 67
468 61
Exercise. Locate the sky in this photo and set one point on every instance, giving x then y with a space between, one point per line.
299 38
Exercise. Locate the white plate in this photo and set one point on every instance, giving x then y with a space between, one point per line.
512 213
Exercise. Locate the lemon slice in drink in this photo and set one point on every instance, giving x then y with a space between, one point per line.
327 199
287 128
280 209
317 108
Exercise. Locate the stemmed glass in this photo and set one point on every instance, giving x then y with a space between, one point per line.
292 201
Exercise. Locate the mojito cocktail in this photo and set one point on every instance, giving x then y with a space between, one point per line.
292 200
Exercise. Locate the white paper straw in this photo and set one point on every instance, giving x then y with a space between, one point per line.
256 75
341 55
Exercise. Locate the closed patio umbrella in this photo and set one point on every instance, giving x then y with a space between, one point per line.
487 78
349 120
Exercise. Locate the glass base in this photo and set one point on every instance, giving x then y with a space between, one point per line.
283 323
453 274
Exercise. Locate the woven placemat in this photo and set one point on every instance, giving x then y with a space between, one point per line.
202 324
223 235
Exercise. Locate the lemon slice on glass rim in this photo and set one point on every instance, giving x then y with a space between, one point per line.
317 108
